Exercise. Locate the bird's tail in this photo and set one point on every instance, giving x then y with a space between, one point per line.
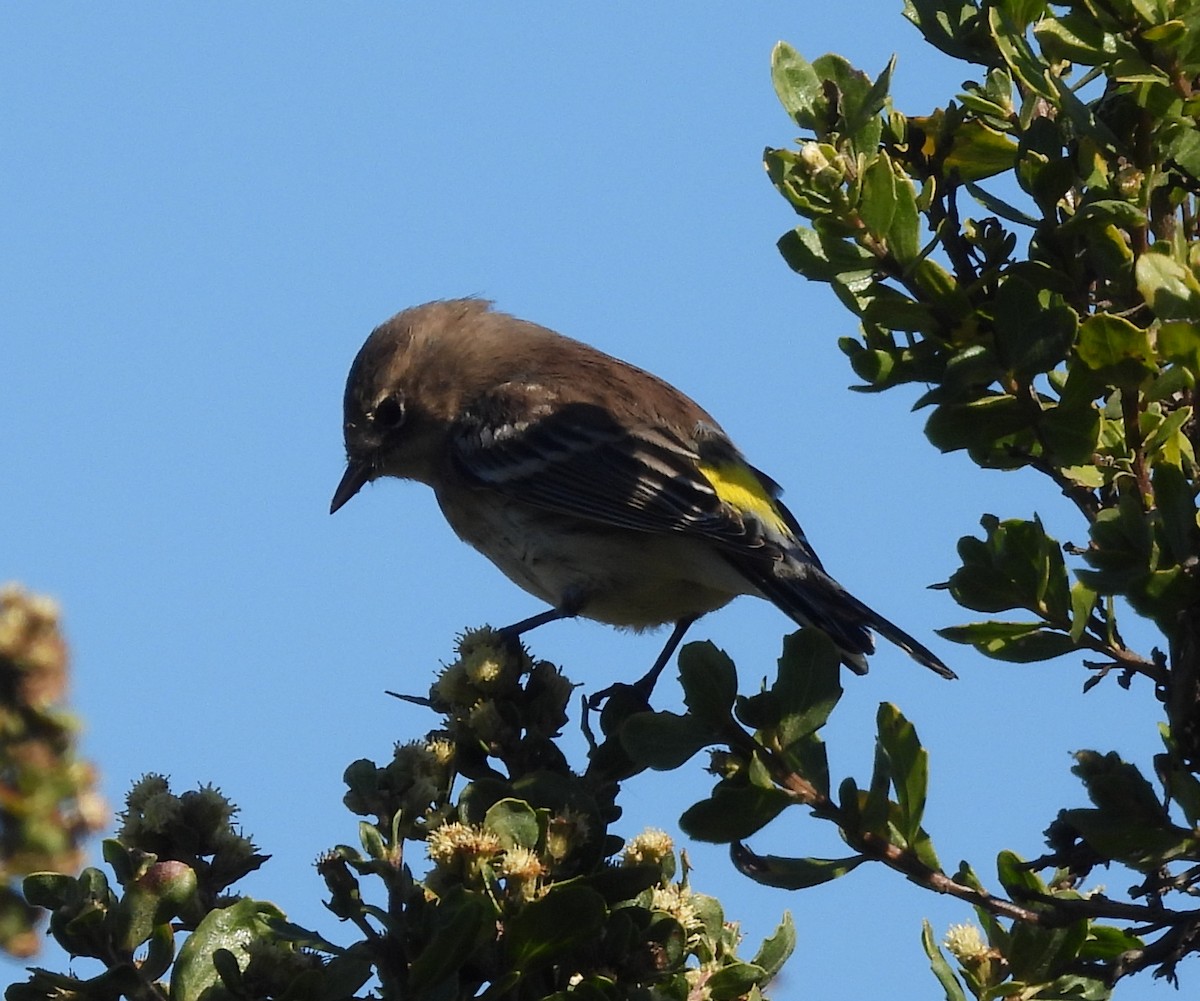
809 596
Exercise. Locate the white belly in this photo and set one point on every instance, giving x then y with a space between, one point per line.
621 577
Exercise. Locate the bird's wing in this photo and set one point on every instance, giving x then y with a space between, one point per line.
575 458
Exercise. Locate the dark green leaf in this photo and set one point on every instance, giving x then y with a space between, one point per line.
232 928
664 740
1017 878
1117 787
548 929
1026 65
826 257
1131 841
617 884
1032 335
1083 600
48 889
1038 954
1015 642
734 981
1071 433
975 425
775 950
733 813
857 101
1079 38
1105 943
908 763
999 207
941 969
1122 547
952 26
806 689
709 682
790 873
1017 566
514 822
1176 506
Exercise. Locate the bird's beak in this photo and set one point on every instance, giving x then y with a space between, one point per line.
357 474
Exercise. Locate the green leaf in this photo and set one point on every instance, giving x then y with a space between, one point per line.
664 740
372 840
1113 345
1129 823
941 969
1121 550
1079 38
733 813
1167 442
904 234
1032 334
774 951
548 929
1131 842
1117 787
1022 61
231 928
975 425
978 152
908 764
1071 432
1170 288
1015 642
806 689
876 808
709 682
798 88
618 884
790 873
1179 341
856 100
514 822
50 890
952 26
998 206
734 981
1017 566
826 257
878 205
1083 600
1038 954
1105 943
1017 878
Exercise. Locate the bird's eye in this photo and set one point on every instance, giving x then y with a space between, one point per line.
389 413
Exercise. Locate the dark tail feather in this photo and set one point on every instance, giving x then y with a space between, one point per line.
811 597
894 634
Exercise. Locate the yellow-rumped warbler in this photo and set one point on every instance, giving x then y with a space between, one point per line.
592 484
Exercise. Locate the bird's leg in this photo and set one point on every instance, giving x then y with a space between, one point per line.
571 605
645 686
549 615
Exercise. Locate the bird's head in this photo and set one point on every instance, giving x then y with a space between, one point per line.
401 395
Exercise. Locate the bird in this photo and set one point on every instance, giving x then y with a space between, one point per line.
592 484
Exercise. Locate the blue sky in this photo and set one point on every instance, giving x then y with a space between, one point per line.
207 210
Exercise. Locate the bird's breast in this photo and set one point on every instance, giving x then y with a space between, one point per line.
625 578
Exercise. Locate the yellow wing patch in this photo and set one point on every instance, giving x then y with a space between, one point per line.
738 487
